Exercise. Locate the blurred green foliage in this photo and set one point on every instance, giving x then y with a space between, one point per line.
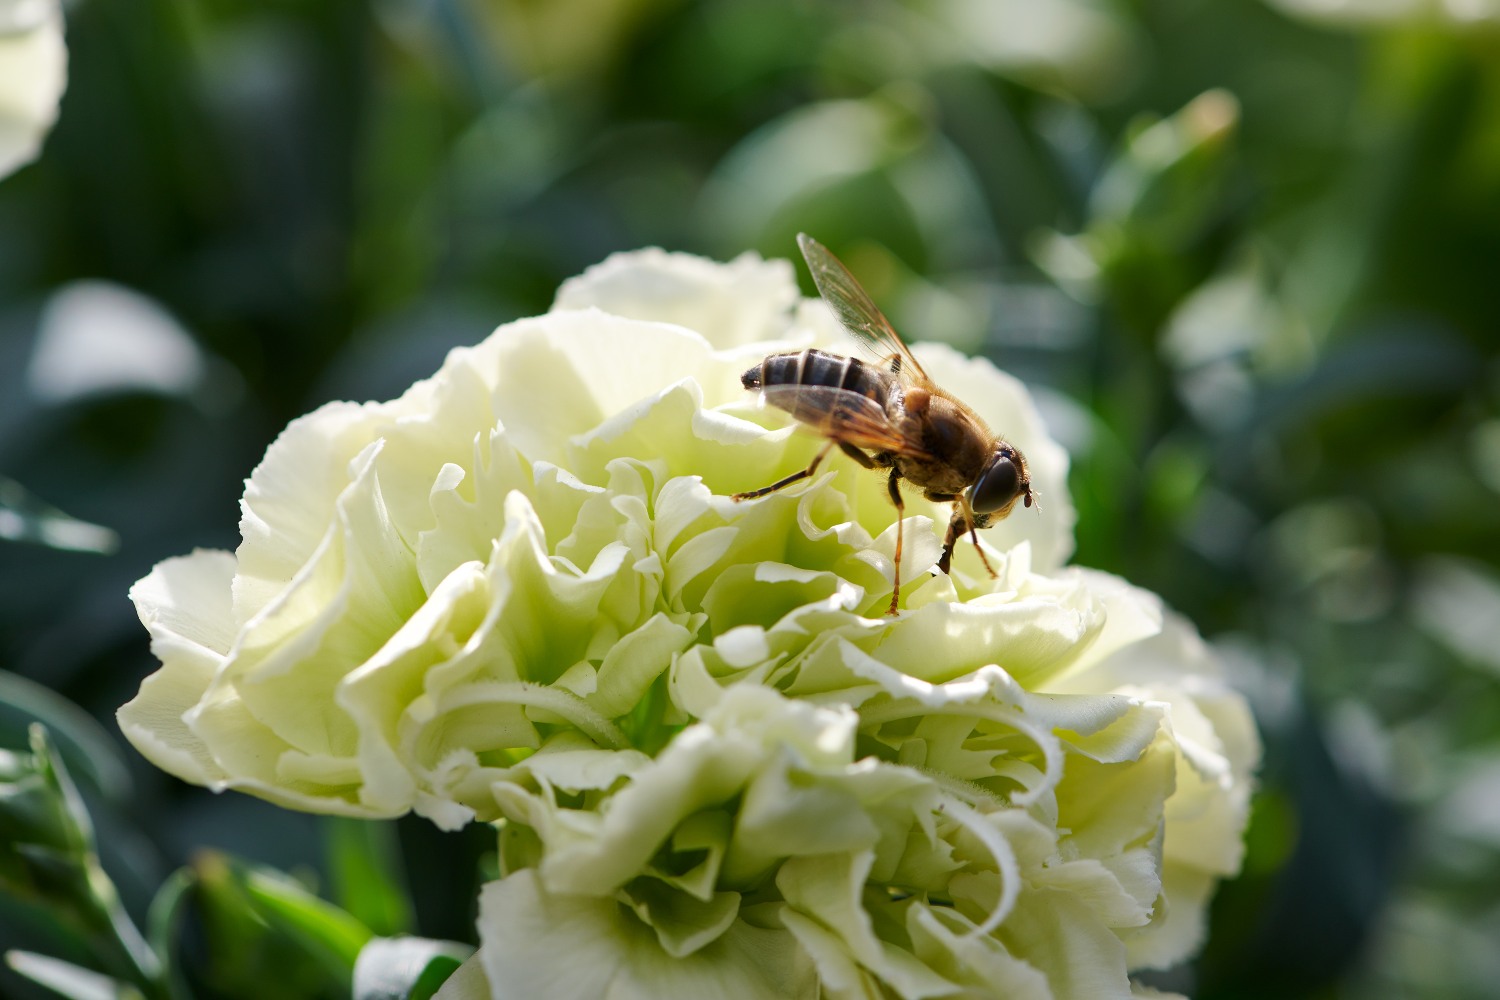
51 873
1246 259
219 927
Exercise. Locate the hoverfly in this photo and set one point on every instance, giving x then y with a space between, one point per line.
891 416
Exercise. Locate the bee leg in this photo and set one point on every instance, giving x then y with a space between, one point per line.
795 477
960 525
974 534
893 484
955 528
857 455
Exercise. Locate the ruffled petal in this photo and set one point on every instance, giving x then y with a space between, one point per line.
537 943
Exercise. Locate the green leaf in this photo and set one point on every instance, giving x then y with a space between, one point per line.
81 740
52 862
368 881
406 968
26 518
162 923
1168 178
258 918
324 924
69 980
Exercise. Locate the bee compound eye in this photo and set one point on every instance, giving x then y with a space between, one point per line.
997 487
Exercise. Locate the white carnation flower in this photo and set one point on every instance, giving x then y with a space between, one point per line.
33 73
521 593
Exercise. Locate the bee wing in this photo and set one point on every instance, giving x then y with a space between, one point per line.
852 305
843 415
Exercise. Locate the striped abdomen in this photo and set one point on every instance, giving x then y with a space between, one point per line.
779 375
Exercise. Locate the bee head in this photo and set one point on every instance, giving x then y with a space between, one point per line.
1001 482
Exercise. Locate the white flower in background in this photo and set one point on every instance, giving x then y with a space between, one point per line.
1396 13
33 73
97 337
520 593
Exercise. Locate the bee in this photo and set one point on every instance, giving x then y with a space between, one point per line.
890 415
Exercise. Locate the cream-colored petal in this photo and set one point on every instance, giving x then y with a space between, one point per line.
186 602
745 300
185 605
534 943
563 374
288 506
1080 956
1180 923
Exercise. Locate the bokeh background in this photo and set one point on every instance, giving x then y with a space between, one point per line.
1246 253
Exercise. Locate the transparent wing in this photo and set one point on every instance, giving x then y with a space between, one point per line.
852 305
843 415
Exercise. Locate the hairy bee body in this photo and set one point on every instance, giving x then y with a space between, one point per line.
814 368
890 416
944 449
